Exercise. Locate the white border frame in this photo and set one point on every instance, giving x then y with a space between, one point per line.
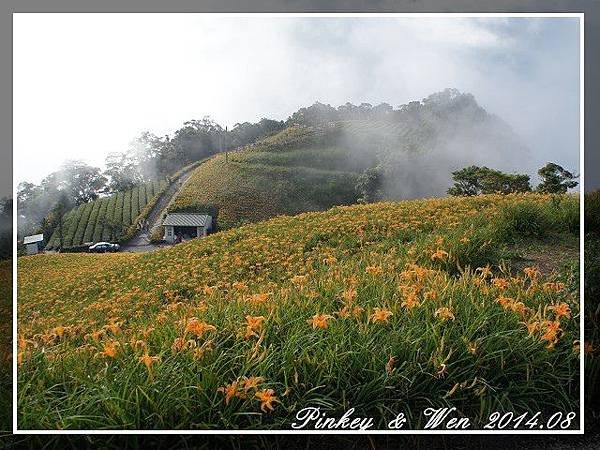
581 417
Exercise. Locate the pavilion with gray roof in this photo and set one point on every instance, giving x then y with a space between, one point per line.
181 226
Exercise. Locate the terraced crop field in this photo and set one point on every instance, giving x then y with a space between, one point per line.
108 218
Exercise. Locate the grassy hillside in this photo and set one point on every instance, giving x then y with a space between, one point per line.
311 168
246 190
384 308
296 170
108 218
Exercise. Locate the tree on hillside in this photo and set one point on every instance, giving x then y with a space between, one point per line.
80 181
369 185
26 192
381 111
75 182
197 139
122 172
145 151
474 180
316 114
555 179
466 182
247 133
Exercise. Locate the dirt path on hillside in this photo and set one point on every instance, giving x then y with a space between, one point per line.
141 241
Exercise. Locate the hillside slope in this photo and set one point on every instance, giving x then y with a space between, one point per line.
384 307
313 165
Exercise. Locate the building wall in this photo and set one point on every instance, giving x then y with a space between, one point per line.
32 249
169 234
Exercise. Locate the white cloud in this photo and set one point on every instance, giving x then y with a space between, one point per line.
86 84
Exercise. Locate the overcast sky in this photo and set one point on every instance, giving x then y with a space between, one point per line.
87 84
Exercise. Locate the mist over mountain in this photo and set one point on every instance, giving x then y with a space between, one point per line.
418 144
314 162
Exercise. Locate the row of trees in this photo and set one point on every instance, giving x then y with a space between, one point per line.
475 180
440 103
151 157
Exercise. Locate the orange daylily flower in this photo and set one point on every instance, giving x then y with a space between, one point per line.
484 271
60 330
357 311
444 313
230 391
253 323
149 360
374 270
430 294
381 315
208 290
110 349
257 298
505 301
349 295
267 398
330 260
343 313
252 382
113 327
500 283
319 320
551 333
197 327
531 272
178 344
411 301
239 286
518 307
439 254
561 310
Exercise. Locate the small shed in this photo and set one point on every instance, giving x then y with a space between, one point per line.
33 243
186 226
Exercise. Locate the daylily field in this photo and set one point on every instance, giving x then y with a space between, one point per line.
386 308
